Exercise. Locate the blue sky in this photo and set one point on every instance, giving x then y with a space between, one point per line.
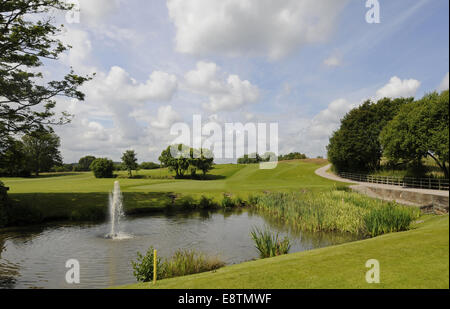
300 63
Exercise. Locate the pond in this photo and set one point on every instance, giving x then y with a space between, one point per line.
35 257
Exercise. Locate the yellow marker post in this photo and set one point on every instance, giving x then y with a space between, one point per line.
154 266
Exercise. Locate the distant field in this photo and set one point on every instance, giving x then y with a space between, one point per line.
225 178
80 196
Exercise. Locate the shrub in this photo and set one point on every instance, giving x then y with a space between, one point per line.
143 266
186 262
227 201
268 244
183 262
102 168
388 219
206 203
148 166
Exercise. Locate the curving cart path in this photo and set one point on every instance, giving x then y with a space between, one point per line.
322 172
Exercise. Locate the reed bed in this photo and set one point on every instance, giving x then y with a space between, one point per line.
338 211
182 263
268 244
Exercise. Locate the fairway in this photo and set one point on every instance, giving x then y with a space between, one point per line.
223 178
82 197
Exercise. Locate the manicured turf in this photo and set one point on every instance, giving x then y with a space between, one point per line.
80 196
418 258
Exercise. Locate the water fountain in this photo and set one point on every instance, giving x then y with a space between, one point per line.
115 212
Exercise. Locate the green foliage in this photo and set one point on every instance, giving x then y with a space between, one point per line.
13 160
419 130
292 156
355 146
27 40
389 218
129 161
227 201
84 163
269 245
187 262
206 203
149 166
338 211
182 263
255 158
102 168
180 159
143 267
42 150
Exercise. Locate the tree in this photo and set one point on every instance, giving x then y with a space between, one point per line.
129 161
102 168
205 161
292 156
149 166
85 163
13 161
181 158
178 161
27 38
42 150
356 146
420 129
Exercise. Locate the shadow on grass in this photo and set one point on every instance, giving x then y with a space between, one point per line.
34 208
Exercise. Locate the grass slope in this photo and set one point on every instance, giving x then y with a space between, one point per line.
418 258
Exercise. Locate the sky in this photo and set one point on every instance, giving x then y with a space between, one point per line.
300 63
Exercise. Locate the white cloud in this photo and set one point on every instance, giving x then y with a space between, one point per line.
118 85
444 85
92 10
80 51
253 27
328 120
166 117
332 61
224 92
399 88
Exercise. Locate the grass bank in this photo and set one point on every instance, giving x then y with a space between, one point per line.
415 259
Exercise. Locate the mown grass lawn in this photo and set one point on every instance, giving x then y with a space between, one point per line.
80 196
416 259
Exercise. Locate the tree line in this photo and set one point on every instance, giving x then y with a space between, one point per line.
255 158
403 131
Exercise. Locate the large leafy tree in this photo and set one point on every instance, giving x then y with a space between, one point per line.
28 37
14 160
129 161
356 146
177 158
103 168
42 151
85 162
421 129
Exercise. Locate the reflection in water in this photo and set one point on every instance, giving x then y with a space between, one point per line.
36 257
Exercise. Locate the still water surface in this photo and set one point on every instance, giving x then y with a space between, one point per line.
35 257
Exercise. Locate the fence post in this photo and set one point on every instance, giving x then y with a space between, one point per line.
155 265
